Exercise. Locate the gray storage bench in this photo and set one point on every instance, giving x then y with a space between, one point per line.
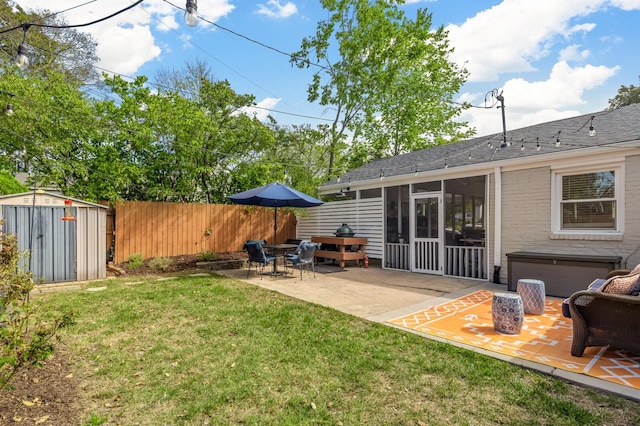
563 274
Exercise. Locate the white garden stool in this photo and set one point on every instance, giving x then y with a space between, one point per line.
533 295
507 313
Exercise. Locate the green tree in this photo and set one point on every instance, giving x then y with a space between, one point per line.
303 153
627 95
64 50
9 184
391 83
50 132
161 145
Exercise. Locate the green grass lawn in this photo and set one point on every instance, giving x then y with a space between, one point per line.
213 350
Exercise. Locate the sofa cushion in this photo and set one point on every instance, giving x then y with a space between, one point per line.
597 284
623 284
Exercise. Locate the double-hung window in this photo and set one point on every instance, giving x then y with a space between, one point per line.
588 201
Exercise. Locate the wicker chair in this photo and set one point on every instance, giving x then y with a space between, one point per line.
601 319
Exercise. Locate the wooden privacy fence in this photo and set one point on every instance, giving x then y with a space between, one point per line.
155 229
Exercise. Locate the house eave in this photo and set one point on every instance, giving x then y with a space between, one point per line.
610 152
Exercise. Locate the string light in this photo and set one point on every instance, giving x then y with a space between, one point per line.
592 131
22 60
9 110
538 147
191 13
558 139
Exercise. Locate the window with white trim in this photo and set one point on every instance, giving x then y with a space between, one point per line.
587 201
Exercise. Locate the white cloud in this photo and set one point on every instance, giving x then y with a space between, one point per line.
275 9
115 37
120 55
509 37
626 4
529 103
262 112
573 53
513 37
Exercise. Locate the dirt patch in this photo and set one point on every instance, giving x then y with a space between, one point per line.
44 396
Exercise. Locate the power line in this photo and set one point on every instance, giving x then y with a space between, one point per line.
292 58
26 25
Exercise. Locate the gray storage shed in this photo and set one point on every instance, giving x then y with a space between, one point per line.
61 250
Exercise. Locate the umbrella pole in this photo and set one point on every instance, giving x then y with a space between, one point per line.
275 237
275 225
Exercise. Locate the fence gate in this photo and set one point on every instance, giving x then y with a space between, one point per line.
52 241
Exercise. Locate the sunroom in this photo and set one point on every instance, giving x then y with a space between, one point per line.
437 227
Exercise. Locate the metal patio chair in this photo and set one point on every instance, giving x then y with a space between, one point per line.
306 258
257 257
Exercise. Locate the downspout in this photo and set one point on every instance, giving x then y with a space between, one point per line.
497 228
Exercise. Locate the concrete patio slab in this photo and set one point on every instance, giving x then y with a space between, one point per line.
380 295
370 293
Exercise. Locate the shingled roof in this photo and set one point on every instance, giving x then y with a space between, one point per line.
612 127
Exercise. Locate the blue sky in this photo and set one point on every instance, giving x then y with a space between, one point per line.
551 58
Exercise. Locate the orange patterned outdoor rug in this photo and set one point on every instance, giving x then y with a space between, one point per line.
545 339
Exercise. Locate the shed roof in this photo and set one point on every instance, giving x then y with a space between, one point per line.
612 127
25 198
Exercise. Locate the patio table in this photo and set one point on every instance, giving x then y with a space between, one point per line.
279 250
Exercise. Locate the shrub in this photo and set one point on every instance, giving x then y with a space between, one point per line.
160 263
206 256
135 261
22 344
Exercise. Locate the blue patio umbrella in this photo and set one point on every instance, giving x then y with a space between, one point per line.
275 195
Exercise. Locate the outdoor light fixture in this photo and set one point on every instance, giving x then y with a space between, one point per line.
22 60
191 13
9 110
592 131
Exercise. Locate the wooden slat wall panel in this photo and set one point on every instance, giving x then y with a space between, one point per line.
172 229
365 217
